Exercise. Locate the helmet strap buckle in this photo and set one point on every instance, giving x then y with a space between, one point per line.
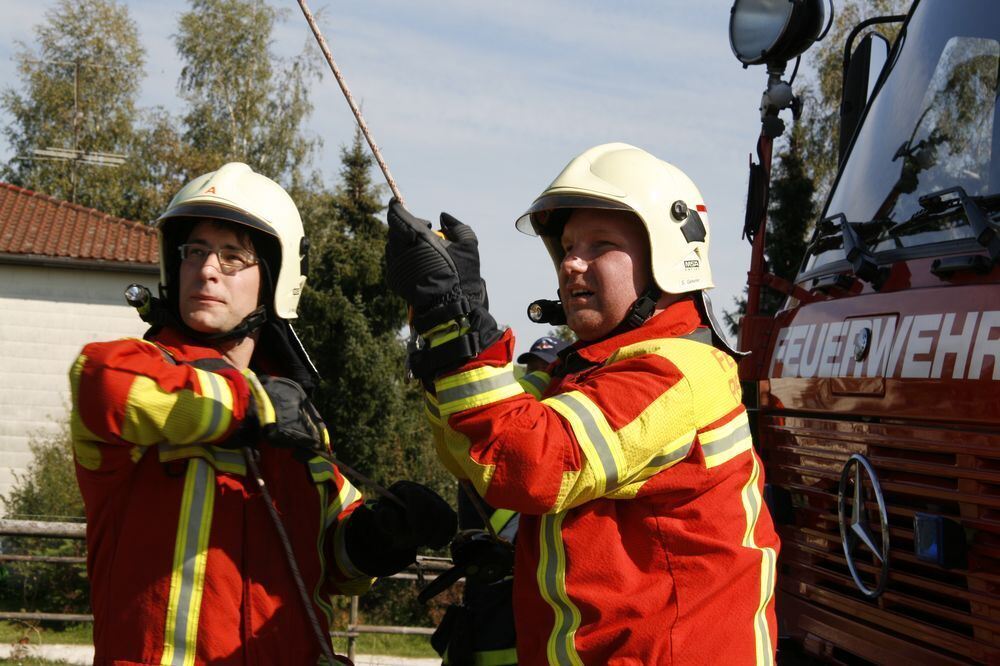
643 308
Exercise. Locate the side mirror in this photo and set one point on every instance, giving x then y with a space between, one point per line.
773 32
861 72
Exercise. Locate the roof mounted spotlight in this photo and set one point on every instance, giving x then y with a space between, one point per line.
772 32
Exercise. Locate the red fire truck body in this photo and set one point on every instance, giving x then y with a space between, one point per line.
875 391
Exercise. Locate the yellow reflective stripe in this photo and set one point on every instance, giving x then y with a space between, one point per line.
187 581
265 410
321 600
599 442
724 443
431 409
321 469
222 403
500 518
752 502
436 337
222 459
672 453
86 449
347 496
475 388
507 657
551 574
154 415
535 383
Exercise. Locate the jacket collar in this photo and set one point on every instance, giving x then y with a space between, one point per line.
679 318
183 348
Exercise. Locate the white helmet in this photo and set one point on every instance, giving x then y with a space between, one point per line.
234 193
617 176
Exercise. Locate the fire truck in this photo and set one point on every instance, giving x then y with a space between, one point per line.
875 389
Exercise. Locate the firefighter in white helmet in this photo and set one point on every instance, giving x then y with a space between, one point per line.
644 538
187 564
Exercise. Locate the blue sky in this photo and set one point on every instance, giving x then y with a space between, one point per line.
478 106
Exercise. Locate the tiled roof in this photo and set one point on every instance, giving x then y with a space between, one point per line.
39 225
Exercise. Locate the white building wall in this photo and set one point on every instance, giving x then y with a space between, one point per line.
46 316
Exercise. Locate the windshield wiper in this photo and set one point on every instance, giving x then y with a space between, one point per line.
855 248
975 209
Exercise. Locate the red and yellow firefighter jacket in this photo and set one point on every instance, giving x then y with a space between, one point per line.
644 538
185 564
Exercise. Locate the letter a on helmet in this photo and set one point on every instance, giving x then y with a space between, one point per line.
617 176
235 193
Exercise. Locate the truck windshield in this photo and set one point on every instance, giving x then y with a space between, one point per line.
932 126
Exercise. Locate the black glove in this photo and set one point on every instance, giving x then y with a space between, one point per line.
440 278
421 269
296 422
382 538
464 251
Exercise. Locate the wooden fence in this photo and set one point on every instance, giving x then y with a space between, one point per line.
426 569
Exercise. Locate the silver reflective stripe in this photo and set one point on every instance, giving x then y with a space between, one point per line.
216 403
228 457
475 388
320 466
767 562
431 407
540 382
596 437
199 478
561 638
673 456
723 444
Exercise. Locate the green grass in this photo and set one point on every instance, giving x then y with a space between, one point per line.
389 644
72 634
80 634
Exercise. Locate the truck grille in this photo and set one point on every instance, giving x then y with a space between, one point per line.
955 612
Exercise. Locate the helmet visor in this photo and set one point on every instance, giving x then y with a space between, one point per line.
541 220
217 212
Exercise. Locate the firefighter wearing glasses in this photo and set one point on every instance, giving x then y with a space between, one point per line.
643 538
186 566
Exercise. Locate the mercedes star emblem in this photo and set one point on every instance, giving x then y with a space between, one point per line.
855 524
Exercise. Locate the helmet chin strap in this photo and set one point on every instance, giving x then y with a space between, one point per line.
643 308
250 323
158 313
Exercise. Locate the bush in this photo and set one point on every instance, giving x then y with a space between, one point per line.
47 490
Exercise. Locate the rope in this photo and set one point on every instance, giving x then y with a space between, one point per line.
350 100
480 505
321 638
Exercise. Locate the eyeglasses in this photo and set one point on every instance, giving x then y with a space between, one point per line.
231 260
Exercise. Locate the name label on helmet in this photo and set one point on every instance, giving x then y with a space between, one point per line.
210 190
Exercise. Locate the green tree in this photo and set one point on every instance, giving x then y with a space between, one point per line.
244 103
88 49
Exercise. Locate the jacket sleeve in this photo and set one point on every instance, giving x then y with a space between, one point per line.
342 499
602 436
128 393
